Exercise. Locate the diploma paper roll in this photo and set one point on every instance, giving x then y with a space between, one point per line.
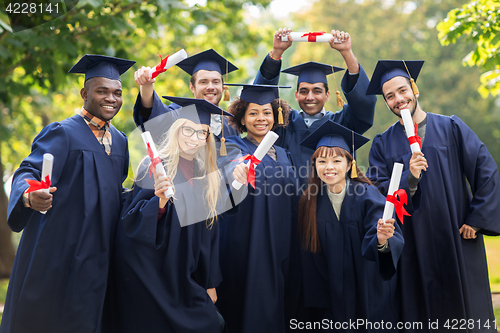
260 152
47 164
299 37
160 170
397 170
172 60
410 130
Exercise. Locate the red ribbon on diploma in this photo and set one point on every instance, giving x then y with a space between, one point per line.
154 161
160 68
398 204
251 170
311 36
415 138
36 185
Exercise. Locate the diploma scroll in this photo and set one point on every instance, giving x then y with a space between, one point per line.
260 152
410 129
47 164
397 170
156 164
168 62
319 37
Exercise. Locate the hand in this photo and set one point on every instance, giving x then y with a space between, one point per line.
213 294
240 173
141 76
467 232
279 46
343 37
162 183
417 164
40 200
385 230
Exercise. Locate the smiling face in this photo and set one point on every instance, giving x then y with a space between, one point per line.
398 95
312 97
332 171
258 120
189 138
207 85
102 97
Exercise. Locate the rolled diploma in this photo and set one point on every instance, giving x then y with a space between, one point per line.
410 130
260 152
397 170
172 60
160 170
297 37
47 164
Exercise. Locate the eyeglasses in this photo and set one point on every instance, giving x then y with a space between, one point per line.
189 131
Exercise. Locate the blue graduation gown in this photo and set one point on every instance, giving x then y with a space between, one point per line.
350 278
255 247
59 277
441 275
161 270
160 108
357 115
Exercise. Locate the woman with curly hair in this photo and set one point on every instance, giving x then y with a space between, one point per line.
257 241
167 250
350 254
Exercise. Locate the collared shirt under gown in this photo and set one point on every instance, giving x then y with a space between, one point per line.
441 275
59 277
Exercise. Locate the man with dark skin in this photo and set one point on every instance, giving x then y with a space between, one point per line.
59 278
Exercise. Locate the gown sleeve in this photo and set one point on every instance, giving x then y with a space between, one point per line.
482 173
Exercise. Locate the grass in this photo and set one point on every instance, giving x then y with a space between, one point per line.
492 245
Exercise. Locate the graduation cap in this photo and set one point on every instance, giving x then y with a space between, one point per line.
332 134
208 60
200 113
260 94
388 69
314 72
94 65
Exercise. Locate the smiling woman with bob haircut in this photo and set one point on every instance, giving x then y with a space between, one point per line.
256 243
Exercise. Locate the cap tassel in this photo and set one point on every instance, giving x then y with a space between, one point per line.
223 151
354 172
340 102
227 96
414 87
354 167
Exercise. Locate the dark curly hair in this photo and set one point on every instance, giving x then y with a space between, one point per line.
239 107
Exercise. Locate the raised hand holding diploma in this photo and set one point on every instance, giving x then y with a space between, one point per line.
156 166
255 159
395 198
385 230
413 138
168 62
311 37
42 199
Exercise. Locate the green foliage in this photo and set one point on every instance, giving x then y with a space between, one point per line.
479 21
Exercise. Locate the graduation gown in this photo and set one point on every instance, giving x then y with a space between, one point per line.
350 279
60 272
255 246
357 114
442 276
162 270
160 108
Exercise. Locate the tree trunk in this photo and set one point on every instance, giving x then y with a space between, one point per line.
7 252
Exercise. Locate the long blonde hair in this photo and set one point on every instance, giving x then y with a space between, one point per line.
206 159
